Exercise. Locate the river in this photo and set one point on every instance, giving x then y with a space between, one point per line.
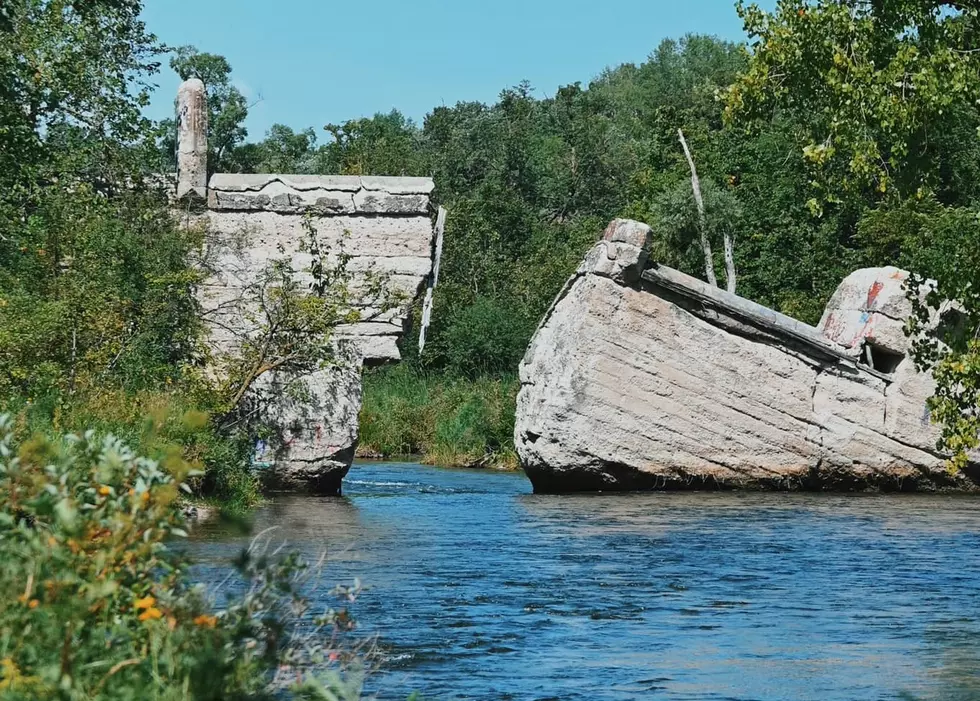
481 590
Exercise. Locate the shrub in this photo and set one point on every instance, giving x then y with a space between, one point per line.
487 337
94 604
152 422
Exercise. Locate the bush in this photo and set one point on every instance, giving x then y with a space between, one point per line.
96 292
153 422
486 337
94 604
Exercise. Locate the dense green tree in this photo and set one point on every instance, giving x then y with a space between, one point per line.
97 317
870 86
78 71
286 151
386 144
90 268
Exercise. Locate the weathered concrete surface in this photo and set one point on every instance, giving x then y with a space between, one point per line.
641 377
318 427
383 226
192 140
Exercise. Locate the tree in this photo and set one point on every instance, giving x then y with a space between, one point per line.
678 224
98 319
385 144
92 271
73 69
870 85
286 151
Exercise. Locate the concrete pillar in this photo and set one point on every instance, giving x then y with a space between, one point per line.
192 140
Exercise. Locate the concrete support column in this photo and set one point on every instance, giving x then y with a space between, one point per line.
192 140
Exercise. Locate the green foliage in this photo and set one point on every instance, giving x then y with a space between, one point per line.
282 151
152 422
94 604
943 243
98 321
483 339
73 72
94 290
386 144
674 221
450 422
94 285
868 84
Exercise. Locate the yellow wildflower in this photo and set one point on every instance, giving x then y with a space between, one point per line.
151 612
105 491
33 603
206 621
145 603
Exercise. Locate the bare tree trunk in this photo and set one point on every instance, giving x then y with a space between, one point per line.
729 262
709 265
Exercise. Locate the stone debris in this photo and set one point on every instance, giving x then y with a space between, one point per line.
641 377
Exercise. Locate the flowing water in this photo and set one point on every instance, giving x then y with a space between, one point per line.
481 590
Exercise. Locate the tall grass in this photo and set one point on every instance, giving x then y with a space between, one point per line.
447 421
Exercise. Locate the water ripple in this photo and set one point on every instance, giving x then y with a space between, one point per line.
481 590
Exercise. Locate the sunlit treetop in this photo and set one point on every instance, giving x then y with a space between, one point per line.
868 83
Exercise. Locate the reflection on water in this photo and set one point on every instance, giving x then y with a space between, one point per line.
481 590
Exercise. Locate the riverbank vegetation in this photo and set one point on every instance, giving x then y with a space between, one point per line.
95 603
447 421
98 323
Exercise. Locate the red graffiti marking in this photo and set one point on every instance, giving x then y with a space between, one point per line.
873 293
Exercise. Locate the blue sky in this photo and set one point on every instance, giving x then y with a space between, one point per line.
310 62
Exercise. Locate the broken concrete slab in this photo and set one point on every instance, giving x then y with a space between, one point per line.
641 377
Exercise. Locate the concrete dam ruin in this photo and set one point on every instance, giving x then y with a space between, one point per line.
642 377
381 227
638 377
